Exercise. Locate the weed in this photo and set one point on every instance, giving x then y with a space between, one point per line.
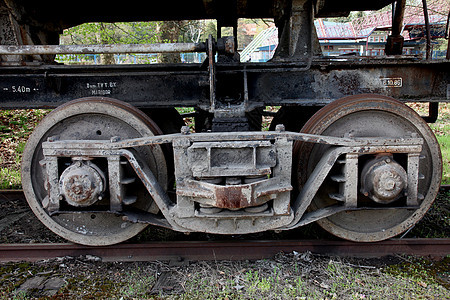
10 179
19 151
20 147
138 284
422 271
20 295
444 141
441 129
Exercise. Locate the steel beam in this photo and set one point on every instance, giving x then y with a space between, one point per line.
154 86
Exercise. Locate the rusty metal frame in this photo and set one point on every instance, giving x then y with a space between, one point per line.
183 216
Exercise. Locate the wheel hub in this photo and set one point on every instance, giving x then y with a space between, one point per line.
383 180
82 184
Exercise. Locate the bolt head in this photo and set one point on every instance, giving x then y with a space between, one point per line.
280 128
115 139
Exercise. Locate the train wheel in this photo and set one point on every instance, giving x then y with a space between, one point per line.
91 119
370 116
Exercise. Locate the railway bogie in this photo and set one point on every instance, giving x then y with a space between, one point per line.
341 151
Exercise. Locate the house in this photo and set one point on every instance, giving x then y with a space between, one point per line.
365 36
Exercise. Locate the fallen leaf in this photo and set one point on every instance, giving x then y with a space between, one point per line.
358 281
421 283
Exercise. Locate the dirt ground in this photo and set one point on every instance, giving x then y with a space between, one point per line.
286 276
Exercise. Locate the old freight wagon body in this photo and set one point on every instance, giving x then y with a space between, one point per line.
343 150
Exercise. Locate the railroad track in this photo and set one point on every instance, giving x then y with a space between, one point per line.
223 250
219 250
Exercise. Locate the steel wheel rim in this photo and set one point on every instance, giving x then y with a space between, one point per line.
368 226
119 118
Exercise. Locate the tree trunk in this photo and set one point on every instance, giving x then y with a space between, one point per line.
102 39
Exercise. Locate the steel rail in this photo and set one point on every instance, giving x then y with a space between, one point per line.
224 250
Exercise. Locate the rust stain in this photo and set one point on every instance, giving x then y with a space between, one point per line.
237 197
230 197
79 189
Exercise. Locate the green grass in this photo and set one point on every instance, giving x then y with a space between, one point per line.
296 279
286 276
10 179
444 142
137 285
422 271
441 129
15 128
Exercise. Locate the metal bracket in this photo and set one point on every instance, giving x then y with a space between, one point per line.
298 40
